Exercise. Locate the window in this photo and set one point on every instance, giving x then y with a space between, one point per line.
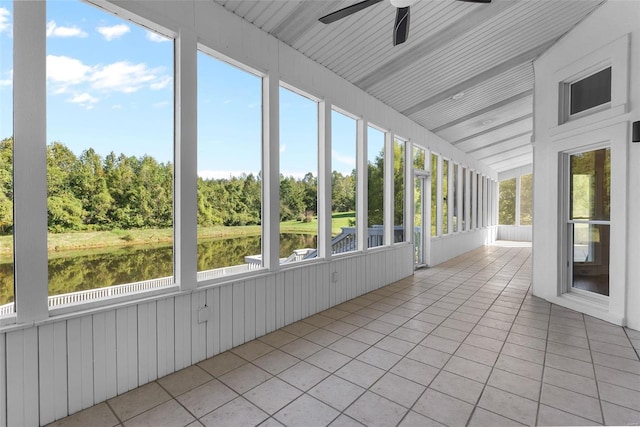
434 195
229 168
398 190
298 176
464 200
590 92
6 158
526 199
418 159
344 135
455 198
110 137
445 196
478 201
590 220
507 202
375 182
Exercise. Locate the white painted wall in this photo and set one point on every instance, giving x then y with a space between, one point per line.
55 363
517 233
611 34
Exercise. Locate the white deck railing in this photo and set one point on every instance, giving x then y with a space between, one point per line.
145 285
342 243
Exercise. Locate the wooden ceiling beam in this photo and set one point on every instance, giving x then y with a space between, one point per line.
415 53
527 56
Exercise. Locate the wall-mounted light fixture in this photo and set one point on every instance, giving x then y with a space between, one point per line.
636 132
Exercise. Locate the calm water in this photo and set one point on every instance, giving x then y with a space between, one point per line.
90 269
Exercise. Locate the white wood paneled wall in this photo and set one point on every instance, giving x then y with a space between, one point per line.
515 233
446 247
63 366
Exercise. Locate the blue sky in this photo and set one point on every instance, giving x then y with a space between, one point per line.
110 87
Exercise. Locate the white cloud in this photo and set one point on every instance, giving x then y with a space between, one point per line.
160 104
345 160
160 83
85 100
155 37
126 77
53 30
85 83
5 25
64 72
283 148
116 107
113 32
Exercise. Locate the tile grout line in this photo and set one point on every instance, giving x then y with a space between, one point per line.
593 367
499 353
468 333
544 364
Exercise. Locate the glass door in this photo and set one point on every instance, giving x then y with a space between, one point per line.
589 221
420 186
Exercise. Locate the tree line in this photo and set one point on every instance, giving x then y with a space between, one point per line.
91 192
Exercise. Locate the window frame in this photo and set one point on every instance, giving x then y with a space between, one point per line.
207 50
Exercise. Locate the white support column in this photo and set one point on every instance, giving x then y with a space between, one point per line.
271 171
439 198
426 218
480 201
467 200
388 188
362 185
473 207
324 179
186 171
459 198
450 227
30 161
409 191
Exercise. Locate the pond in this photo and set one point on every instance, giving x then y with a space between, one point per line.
74 271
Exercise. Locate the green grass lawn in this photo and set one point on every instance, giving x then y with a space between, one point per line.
102 239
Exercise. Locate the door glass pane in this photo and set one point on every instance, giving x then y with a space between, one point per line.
590 182
591 258
590 201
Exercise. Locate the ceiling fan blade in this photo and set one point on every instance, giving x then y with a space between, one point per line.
349 10
401 26
476 1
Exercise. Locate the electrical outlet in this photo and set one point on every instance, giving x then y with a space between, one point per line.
203 314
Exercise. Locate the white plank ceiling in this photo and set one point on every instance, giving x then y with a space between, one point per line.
481 53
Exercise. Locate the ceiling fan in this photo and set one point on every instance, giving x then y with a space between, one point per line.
401 26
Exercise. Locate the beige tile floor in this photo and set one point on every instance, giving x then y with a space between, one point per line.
463 343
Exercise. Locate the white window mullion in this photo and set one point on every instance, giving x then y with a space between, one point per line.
362 187
388 188
409 191
30 161
324 179
186 182
439 227
271 171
